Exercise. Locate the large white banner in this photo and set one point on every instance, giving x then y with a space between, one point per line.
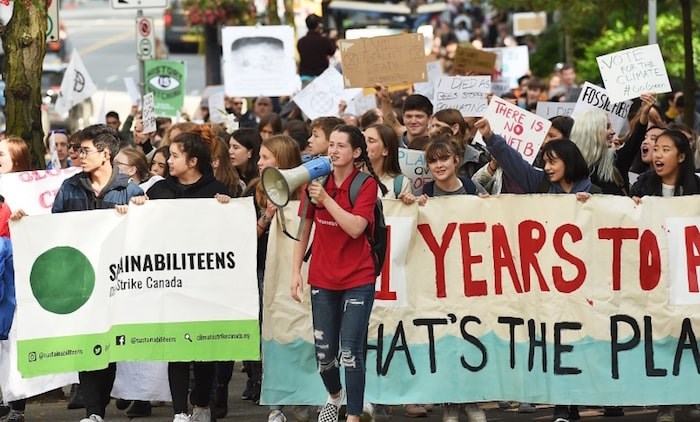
173 280
519 297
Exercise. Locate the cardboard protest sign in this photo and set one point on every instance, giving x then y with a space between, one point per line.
476 293
522 130
468 94
427 89
627 74
167 80
511 63
86 301
549 109
415 168
390 60
597 97
322 96
472 60
259 60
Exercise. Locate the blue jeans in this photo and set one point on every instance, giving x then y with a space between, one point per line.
340 319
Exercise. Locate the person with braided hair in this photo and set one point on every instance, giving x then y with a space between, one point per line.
342 288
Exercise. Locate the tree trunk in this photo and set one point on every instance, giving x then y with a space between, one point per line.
689 81
24 41
273 15
212 55
289 13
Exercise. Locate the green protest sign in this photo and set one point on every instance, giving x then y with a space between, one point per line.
166 80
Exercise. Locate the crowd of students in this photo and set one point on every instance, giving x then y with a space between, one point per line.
657 156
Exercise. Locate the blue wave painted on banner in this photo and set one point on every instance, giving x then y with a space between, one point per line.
291 375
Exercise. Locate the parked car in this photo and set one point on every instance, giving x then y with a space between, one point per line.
78 117
180 36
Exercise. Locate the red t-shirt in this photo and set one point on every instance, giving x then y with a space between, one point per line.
4 220
339 262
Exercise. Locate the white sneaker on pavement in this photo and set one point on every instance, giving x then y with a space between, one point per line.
474 412
201 414
181 417
276 416
450 412
665 414
93 418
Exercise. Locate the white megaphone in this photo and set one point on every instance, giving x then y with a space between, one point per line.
278 185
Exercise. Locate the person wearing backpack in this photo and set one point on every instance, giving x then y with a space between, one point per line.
383 153
342 270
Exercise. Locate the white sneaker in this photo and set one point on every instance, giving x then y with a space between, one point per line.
329 412
276 416
665 414
367 412
450 412
201 414
474 413
93 418
181 417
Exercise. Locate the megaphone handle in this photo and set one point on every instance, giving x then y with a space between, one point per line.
322 181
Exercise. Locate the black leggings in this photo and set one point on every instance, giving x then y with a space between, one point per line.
179 379
97 387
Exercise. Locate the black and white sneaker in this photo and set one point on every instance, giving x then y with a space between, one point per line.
329 412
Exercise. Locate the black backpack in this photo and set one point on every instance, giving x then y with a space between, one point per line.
378 237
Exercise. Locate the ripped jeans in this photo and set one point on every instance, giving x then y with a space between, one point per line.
340 319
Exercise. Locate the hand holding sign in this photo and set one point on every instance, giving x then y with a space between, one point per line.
522 130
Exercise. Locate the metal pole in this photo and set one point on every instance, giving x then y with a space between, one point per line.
652 21
142 63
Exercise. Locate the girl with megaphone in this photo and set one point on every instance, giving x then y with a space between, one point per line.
343 288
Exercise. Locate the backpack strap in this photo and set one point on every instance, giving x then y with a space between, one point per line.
357 182
469 186
398 183
619 181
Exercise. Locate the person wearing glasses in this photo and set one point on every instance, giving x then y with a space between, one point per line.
100 185
234 105
262 106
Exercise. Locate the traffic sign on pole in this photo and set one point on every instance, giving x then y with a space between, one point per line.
145 39
138 4
52 20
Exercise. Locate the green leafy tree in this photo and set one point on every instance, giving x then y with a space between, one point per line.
24 42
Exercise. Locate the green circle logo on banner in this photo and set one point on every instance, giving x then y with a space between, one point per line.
62 279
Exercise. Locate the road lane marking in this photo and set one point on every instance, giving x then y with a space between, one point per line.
107 41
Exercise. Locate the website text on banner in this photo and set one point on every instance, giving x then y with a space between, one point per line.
139 288
480 302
